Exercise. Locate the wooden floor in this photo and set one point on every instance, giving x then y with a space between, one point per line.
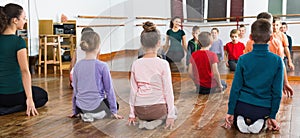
199 115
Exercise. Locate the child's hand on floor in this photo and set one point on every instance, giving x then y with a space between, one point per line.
118 116
227 65
72 115
288 90
131 121
169 123
228 121
273 124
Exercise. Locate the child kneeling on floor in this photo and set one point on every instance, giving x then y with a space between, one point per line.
256 89
93 92
204 67
151 97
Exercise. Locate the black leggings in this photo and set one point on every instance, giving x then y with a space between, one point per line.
104 106
250 112
10 103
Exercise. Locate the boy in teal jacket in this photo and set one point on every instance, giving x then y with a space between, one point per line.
257 86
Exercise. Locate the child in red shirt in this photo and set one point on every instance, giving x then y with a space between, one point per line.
204 67
233 50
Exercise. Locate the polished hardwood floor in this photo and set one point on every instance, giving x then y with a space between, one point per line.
198 115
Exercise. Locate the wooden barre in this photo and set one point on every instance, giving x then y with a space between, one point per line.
152 18
155 24
216 19
220 25
101 17
102 25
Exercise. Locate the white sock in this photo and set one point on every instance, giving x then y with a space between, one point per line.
87 117
242 125
99 115
142 124
153 124
256 126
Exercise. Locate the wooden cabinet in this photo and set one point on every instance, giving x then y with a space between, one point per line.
67 32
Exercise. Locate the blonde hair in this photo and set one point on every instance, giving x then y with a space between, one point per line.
89 41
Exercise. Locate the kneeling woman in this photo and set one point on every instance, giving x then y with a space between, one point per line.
16 92
151 96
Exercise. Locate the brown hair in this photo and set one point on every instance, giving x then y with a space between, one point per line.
205 39
261 31
215 29
150 35
174 18
87 29
89 41
242 25
276 19
264 15
7 13
234 31
195 28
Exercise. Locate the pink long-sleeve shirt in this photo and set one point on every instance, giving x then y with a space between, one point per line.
151 83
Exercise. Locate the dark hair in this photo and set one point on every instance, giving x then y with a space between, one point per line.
234 31
7 13
205 39
87 29
215 29
264 15
261 31
89 41
150 35
276 19
242 25
171 22
284 23
195 28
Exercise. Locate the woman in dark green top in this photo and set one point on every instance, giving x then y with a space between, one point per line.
175 51
16 93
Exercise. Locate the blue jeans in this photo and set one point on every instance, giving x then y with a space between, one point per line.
232 64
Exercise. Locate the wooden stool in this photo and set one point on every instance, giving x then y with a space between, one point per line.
68 43
50 41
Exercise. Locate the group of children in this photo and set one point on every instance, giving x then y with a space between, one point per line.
254 97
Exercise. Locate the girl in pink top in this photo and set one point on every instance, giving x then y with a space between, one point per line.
151 96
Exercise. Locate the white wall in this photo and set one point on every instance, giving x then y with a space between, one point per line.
127 37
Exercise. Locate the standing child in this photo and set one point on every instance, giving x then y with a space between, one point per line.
242 35
203 68
93 95
233 50
193 44
256 90
151 96
282 37
217 45
284 29
177 39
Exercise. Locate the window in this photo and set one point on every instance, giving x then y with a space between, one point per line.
275 6
195 9
176 8
237 9
217 9
292 7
